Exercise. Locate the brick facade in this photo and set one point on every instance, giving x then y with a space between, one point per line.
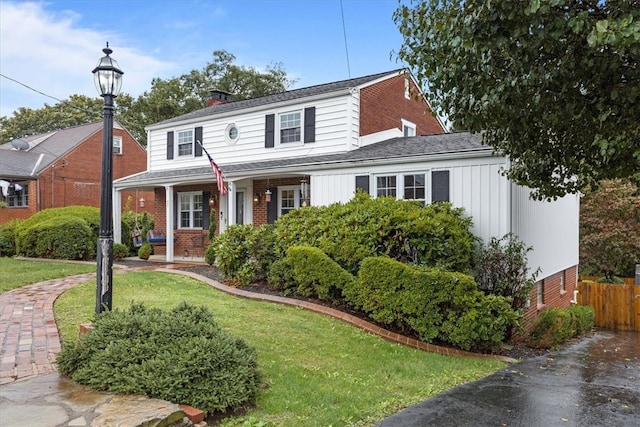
384 105
75 178
552 294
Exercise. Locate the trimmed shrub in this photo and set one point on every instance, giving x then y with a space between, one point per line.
120 251
58 238
244 252
90 216
8 238
315 274
431 303
181 355
554 326
210 253
434 235
145 251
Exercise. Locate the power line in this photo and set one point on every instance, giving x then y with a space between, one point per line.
344 32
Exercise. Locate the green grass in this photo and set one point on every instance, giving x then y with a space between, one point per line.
15 273
318 370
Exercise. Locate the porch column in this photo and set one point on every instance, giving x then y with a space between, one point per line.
117 216
170 221
231 200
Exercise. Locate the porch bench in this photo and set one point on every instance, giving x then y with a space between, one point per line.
157 237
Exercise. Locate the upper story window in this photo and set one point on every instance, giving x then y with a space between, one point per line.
291 127
117 145
408 128
185 142
231 133
290 130
191 212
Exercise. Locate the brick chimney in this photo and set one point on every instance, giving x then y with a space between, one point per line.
217 96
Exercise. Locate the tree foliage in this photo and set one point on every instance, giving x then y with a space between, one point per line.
164 100
554 84
610 230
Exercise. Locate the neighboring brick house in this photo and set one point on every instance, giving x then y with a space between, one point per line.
63 168
317 145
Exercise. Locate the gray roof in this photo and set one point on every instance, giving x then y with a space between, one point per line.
391 150
44 149
279 97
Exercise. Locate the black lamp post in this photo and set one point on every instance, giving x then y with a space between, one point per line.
108 80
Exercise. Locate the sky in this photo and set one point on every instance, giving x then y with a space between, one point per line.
53 46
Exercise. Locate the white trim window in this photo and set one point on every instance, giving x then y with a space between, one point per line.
288 199
408 128
386 186
190 210
185 142
117 145
415 187
290 127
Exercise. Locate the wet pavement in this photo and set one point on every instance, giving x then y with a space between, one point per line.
595 382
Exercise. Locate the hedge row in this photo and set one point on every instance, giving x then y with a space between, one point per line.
554 326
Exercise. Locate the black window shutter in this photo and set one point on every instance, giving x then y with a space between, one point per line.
272 206
169 145
309 124
362 183
205 209
269 130
440 186
198 133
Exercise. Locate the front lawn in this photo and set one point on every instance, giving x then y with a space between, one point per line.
15 273
318 370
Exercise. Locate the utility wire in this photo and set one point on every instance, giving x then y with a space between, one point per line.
344 32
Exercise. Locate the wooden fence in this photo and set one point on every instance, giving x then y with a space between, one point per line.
616 306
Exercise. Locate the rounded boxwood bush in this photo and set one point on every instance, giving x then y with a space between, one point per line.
181 355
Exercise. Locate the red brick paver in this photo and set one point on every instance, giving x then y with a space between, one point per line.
28 333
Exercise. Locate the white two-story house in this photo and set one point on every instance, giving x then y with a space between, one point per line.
317 145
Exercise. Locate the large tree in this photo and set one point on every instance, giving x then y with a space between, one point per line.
166 99
554 84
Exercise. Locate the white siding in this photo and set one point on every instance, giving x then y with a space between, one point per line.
475 185
332 136
551 228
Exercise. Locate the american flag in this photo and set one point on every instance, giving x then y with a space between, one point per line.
221 187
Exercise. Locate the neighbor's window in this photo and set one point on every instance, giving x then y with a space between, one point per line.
290 130
18 195
117 145
386 186
185 142
540 292
408 128
190 210
563 286
414 187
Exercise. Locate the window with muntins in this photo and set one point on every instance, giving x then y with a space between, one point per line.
386 186
185 142
117 145
415 187
290 130
18 195
540 292
288 199
190 210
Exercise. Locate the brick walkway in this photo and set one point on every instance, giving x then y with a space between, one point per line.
28 332
30 342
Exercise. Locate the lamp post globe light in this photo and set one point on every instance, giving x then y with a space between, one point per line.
107 77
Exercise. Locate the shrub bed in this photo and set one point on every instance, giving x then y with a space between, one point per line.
181 355
554 326
434 304
8 237
43 234
308 272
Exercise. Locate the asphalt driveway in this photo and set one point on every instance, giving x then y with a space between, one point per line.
595 382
